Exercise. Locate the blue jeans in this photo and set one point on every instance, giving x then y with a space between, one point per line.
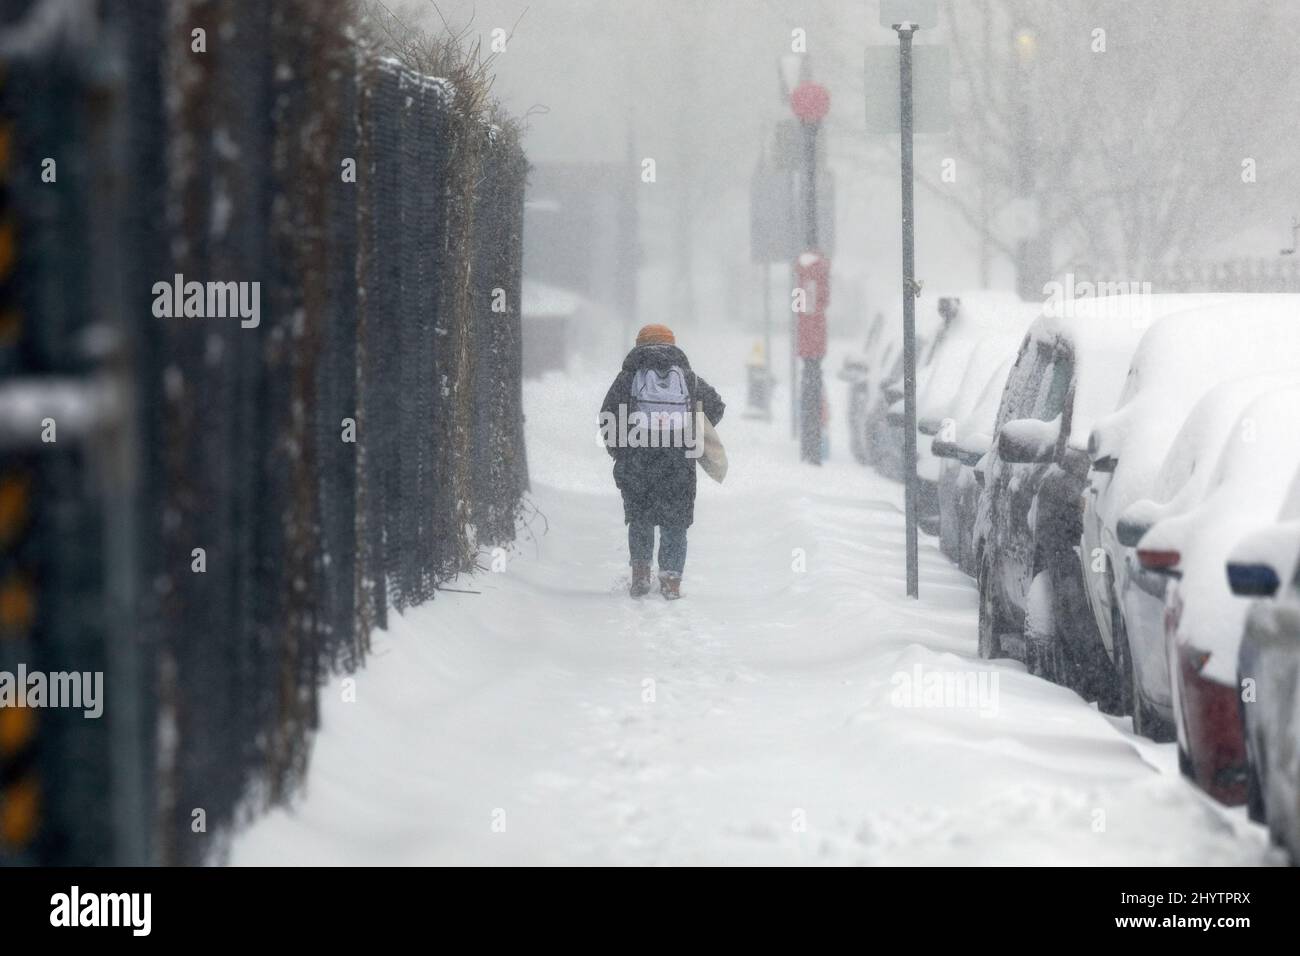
672 546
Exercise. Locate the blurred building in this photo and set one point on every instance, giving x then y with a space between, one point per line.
581 250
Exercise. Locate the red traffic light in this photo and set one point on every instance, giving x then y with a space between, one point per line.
810 102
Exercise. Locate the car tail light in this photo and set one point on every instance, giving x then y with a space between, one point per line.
1158 560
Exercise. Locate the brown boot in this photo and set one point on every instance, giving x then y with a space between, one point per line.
640 579
670 585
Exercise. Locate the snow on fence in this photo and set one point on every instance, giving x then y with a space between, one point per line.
271 487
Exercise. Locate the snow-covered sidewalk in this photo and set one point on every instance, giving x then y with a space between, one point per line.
794 707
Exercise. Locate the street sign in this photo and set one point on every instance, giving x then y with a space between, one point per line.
931 89
825 212
794 70
773 216
787 145
919 13
775 201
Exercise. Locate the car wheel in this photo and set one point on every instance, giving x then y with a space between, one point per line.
1110 678
859 442
1123 675
1060 667
1110 696
1034 661
1039 636
1146 722
1045 660
1046 651
1255 807
990 642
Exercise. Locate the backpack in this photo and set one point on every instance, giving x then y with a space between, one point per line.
659 394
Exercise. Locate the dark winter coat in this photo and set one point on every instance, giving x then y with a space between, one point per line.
658 484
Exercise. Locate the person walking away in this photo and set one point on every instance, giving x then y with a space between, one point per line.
655 469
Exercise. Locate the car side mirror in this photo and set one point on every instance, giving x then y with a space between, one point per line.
1135 521
1102 461
1130 532
958 452
942 448
929 425
1027 441
1076 463
1160 550
1257 562
1252 580
972 448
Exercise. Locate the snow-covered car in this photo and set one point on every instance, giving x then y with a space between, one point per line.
987 364
959 450
1068 372
875 379
884 429
880 362
986 328
865 373
1141 662
1179 358
1263 566
1203 621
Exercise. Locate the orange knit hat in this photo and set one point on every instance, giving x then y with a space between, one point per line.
655 335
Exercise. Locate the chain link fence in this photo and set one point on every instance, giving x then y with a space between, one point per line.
1281 274
245 496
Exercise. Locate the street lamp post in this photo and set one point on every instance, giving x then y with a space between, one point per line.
811 102
905 31
905 17
1029 246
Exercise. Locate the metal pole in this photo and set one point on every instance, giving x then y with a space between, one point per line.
810 435
767 341
794 366
810 172
905 32
986 249
1027 279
